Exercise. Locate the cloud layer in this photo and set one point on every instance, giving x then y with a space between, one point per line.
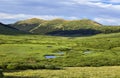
6 16
103 11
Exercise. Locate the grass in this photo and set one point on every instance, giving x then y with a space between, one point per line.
20 54
69 72
28 51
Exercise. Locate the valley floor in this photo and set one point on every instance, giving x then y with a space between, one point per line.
69 72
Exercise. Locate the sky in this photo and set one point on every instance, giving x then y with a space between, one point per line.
106 12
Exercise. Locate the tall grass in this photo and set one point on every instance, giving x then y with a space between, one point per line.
28 51
70 72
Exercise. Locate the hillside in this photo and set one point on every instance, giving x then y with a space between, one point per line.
58 26
8 30
64 27
39 26
27 25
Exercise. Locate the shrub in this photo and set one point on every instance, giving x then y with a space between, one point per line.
12 66
1 73
53 67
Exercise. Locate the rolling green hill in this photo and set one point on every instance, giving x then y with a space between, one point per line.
8 30
27 25
55 27
64 27
45 26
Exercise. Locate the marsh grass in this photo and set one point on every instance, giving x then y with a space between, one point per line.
69 72
28 51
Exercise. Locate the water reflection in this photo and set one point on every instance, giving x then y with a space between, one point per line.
50 56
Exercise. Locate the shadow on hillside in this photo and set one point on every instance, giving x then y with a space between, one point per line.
15 33
64 33
8 30
75 33
19 77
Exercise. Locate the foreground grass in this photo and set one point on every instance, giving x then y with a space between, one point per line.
18 52
70 72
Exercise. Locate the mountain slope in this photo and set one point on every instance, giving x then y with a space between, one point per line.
39 26
64 27
27 25
50 26
6 29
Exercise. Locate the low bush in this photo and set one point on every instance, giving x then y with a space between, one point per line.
1 73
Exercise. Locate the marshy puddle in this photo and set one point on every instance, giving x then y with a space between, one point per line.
50 56
55 55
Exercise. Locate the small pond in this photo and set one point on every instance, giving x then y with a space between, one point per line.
57 54
50 56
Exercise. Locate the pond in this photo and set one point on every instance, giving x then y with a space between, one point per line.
55 55
50 56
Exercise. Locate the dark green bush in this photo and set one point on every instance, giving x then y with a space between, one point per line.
1 73
52 67
12 66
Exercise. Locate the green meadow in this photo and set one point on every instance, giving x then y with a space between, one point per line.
29 51
24 56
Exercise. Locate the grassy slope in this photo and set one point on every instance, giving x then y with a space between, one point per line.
4 29
44 26
22 52
64 27
74 72
28 25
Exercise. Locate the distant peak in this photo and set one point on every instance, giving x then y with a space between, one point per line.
34 19
30 21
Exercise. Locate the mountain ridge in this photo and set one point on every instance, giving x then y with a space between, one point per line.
39 26
62 27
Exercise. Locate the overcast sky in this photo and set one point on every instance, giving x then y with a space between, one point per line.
103 11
